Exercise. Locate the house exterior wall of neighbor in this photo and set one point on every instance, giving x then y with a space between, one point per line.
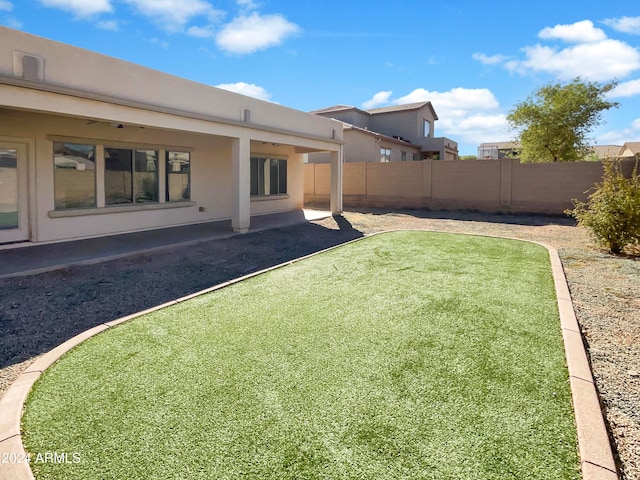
405 123
364 146
359 146
630 149
117 109
352 116
402 123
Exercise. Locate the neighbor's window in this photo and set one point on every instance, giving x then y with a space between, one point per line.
385 154
427 128
403 156
178 176
416 157
74 175
268 176
130 176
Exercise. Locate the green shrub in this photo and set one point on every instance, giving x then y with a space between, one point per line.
612 212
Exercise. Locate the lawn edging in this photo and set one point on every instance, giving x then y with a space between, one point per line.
596 456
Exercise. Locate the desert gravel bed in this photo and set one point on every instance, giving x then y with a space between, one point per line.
41 311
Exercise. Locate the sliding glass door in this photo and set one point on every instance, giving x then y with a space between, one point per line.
14 217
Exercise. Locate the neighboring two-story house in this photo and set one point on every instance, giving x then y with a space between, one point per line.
389 134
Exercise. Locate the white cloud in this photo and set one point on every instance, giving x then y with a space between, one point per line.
80 8
173 15
579 32
378 99
489 59
591 55
626 89
620 137
248 34
201 32
455 99
248 89
157 41
11 22
248 4
467 115
5 6
111 25
624 24
598 61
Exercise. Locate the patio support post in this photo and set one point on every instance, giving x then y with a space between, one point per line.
336 181
240 159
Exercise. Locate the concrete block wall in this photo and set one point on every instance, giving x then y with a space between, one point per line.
503 185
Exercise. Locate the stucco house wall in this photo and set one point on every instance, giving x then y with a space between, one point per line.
81 97
402 123
406 123
364 146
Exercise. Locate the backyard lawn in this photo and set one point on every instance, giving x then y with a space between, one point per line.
406 355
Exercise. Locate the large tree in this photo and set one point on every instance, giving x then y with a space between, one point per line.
553 125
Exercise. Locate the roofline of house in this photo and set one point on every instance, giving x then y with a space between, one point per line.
378 111
338 108
387 138
84 94
404 108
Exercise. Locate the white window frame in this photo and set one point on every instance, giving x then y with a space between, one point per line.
100 208
426 128
385 154
266 176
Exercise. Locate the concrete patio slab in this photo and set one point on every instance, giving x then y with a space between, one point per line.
30 259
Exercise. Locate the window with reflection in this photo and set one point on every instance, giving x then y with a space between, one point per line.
74 175
130 176
268 176
145 176
427 128
178 176
8 189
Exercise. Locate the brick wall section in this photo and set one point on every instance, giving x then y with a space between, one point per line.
488 185
536 185
354 175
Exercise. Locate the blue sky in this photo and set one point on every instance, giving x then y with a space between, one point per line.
474 60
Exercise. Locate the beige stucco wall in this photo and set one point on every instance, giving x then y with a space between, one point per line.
362 147
488 185
77 95
85 70
407 123
350 116
210 174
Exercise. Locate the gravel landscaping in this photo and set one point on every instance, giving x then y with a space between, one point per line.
41 311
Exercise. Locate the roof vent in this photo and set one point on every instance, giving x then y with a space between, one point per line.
29 67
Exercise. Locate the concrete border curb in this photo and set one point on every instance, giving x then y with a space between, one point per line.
596 456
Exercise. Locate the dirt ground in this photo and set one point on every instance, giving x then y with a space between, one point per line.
39 312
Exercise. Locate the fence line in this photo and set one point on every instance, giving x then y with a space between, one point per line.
503 185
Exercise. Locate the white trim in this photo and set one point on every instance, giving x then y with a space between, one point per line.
100 174
23 231
275 196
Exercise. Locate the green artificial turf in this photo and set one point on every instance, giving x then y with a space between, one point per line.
407 355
